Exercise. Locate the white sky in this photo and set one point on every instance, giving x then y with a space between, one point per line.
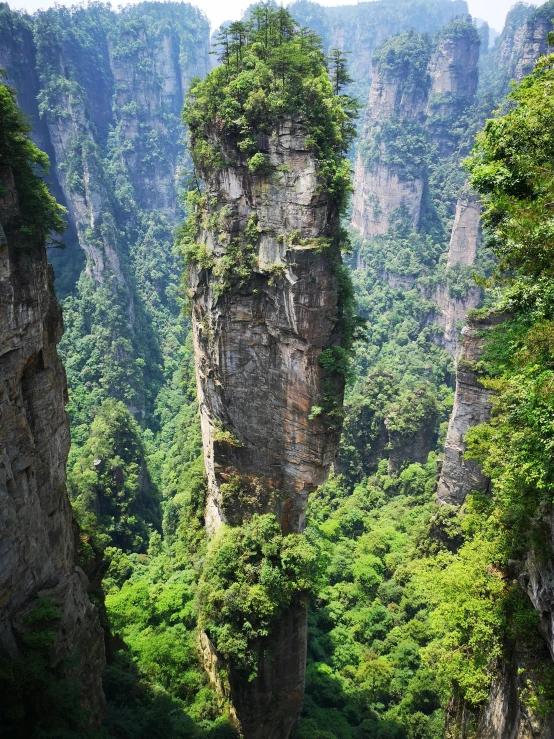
493 11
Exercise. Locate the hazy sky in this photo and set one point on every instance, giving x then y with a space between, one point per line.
493 11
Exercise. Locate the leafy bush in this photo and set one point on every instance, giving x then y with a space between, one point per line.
251 575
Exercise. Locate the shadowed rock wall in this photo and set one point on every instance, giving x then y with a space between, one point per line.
258 341
37 535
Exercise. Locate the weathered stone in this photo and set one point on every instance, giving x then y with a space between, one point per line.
505 716
37 550
257 345
378 194
424 98
472 406
453 68
466 232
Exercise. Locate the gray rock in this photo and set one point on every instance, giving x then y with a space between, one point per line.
37 539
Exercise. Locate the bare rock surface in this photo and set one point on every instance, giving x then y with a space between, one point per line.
257 346
472 406
37 537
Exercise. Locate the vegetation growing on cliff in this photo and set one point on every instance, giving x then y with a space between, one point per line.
270 70
40 213
511 167
251 575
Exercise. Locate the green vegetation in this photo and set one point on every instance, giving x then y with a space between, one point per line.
405 56
109 483
511 168
252 574
39 212
270 70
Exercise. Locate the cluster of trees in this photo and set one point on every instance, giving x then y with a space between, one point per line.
271 68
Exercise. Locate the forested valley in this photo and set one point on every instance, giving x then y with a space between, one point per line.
343 210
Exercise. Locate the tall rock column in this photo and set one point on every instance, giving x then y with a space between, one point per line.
259 336
272 321
265 305
383 181
37 533
472 406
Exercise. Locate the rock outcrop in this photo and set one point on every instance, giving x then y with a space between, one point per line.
258 340
466 232
37 537
505 715
462 251
472 406
418 88
523 40
399 92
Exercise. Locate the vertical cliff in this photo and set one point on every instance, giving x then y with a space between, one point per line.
259 338
272 325
462 254
387 179
419 89
38 561
472 406
105 91
523 40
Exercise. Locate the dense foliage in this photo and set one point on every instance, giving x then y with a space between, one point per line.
40 213
252 574
271 69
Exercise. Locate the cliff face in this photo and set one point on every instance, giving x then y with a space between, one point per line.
472 406
105 92
462 251
399 92
258 341
521 43
423 92
37 555
505 715
519 52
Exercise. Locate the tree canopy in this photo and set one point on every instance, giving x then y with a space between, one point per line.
271 69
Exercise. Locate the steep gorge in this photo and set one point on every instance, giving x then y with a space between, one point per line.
265 300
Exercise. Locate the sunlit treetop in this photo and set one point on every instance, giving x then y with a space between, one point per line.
271 69
512 167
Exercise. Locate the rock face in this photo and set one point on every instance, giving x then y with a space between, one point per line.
505 716
472 406
398 92
37 549
522 41
464 241
466 232
258 341
453 67
419 86
110 88
529 42
379 193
